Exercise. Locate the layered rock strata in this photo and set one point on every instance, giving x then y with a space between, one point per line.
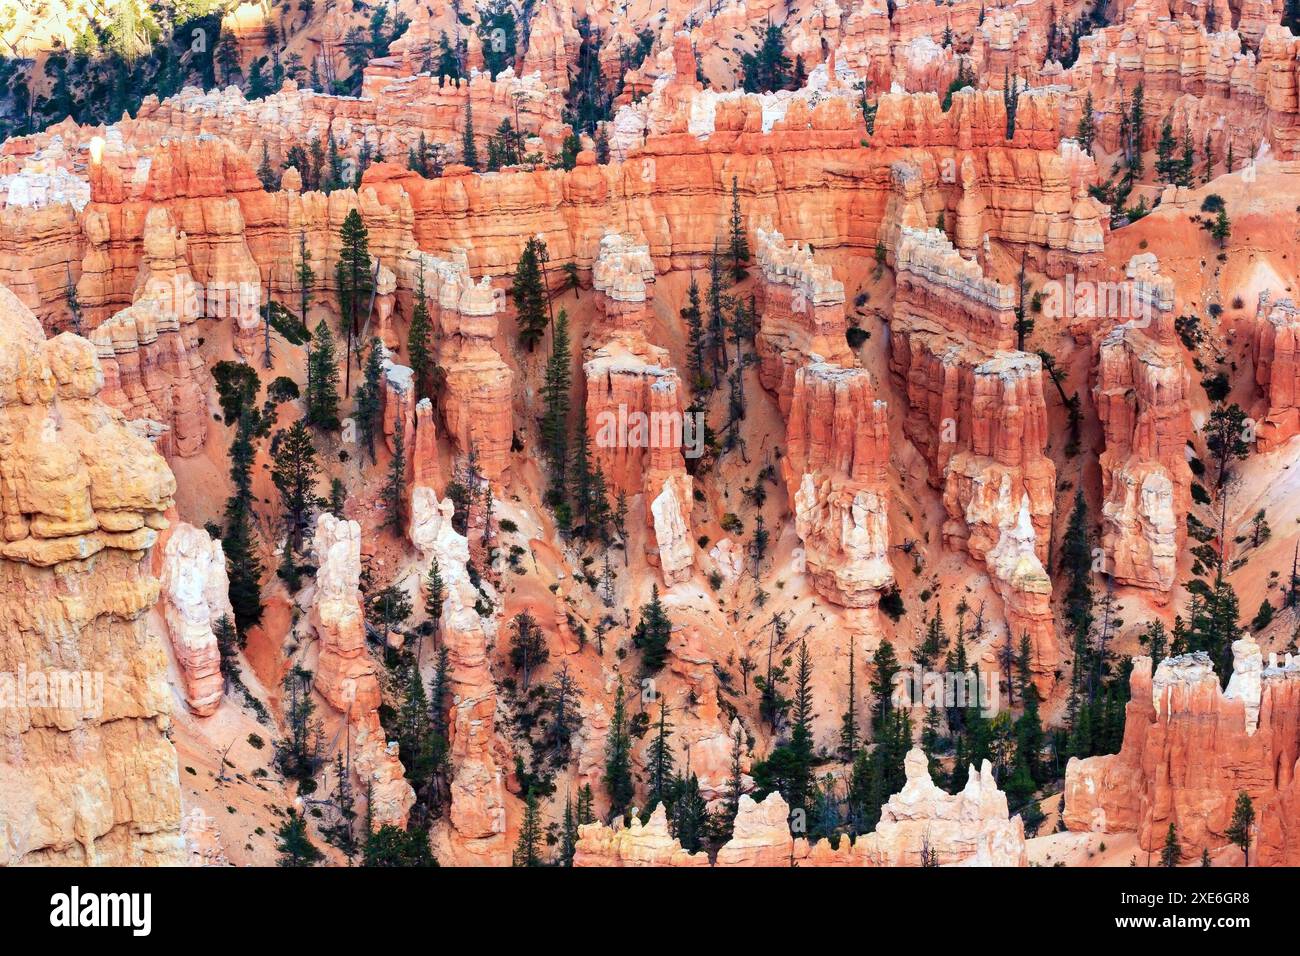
89 775
196 596
1190 747
346 676
1277 372
1142 394
977 413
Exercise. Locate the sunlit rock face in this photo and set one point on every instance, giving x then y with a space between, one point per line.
196 597
1143 400
90 774
976 410
1190 747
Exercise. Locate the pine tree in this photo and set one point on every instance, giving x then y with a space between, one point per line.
294 845
1172 854
395 485
368 402
306 276
243 566
338 497
1136 117
618 758
294 473
568 834
354 280
418 347
735 781
882 685
659 760
739 245
1167 164
556 387
694 317
435 592
717 317
528 650
528 848
529 293
1243 819
469 151
849 721
801 739
1087 130
653 632
266 172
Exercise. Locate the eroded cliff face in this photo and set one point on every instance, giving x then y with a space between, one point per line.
88 776
478 393
153 372
636 409
977 414
196 596
1277 372
1142 395
836 472
346 676
801 314
1190 747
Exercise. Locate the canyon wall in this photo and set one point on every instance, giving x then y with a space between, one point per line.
977 414
635 406
1142 394
1276 354
89 775
1190 747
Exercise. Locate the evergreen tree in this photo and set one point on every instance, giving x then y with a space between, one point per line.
266 172
354 280
435 592
768 68
694 317
368 404
618 758
1087 130
1214 625
1172 854
738 248
393 846
418 346
528 291
294 472
717 318
568 834
882 685
659 760
294 845
528 650
1168 166
1243 819
849 721
653 632
395 485
528 847
1224 438
1136 118
556 387
469 151
306 276
735 782
243 566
